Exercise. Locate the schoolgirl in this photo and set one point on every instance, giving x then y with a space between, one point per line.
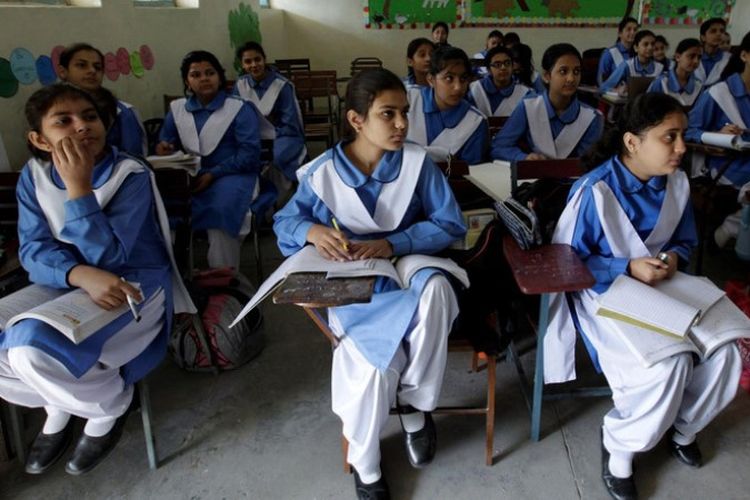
497 94
440 119
638 184
680 82
440 34
83 66
224 131
714 60
523 68
620 52
641 64
389 200
274 97
554 124
660 53
418 55
89 218
494 39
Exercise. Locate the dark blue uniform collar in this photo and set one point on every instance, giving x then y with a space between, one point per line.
193 104
387 170
673 83
450 117
489 86
641 69
736 85
568 116
629 183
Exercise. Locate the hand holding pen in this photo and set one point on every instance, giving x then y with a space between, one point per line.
330 242
131 304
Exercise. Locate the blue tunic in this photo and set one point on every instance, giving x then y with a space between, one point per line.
127 133
474 150
673 86
432 222
707 116
495 95
505 144
123 238
289 144
234 164
622 73
607 63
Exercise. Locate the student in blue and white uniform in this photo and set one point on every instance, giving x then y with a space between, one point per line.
725 108
224 131
440 119
274 97
418 55
494 39
523 68
497 94
440 33
83 66
89 218
641 64
638 184
660 53
389 199
681 82
714 60
554 124
620 52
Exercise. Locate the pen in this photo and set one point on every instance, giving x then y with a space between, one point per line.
336 227
131 304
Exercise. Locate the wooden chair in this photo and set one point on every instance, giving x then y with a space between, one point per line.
319 126
360 64
590 66
313 293
288 66
152 127
167 100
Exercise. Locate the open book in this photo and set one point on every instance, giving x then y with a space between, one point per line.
727 141
177 160
308 260
73 313
492 178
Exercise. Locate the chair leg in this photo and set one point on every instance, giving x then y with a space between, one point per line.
536 408
345 452
143 391
490 426
256 248
16 430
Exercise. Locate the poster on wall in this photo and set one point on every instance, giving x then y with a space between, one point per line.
546 12
414 14
685 12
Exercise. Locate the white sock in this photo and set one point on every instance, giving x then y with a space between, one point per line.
56 420
412 422
369 477
96 427
620 466
682 439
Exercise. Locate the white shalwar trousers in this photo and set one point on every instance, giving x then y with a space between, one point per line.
30 377
676 391
362 395
224 249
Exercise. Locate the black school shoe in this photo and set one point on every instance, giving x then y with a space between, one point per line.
375 491
48 448
688 454
420 445
618 488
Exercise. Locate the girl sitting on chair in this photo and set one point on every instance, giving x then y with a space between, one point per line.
497 94
680 82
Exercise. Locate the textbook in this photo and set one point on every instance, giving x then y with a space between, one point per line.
671 307
308 260
727 141
177 160
72 313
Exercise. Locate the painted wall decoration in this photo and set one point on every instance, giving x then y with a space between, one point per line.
400 14
244 26
546 12
8 82
23 65
45 70
690 12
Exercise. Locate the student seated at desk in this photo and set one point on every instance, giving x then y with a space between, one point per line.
440 119
554 124
681 82
725 108
274 97
82 65
637 181
88 219
440 34
418 55
523 68
494 39
389 199
714 59
497 94
620 52
660 53
224 131
641 64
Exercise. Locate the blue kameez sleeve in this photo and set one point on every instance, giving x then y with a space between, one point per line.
505 144
132 138
168 132
246 157
606 65
619 75
592 134
705 116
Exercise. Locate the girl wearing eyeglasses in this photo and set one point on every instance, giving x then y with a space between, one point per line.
497 94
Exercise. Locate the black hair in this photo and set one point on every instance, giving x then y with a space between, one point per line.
639 115
201 56
555 52
250 46
512 38
624 22
638 37
687 44
43 99
441 24
661 39
444 54
361 92
735 64
67 54
521 54
499 49
706 25
496 34
412 49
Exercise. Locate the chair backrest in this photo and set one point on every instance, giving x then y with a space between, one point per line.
637 85
8 201
153 127
545 169
311 84
495 124
590 65
167 101
288 66
362 63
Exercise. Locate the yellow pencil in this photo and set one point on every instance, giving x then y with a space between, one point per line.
336 227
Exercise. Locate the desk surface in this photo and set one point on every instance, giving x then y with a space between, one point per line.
314 290
546 269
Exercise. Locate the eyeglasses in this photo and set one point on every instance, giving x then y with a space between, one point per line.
502 64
